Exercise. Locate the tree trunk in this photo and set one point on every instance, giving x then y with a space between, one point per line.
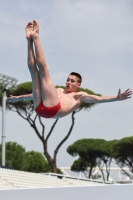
53 167
51 161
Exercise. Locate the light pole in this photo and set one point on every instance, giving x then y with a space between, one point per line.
6 82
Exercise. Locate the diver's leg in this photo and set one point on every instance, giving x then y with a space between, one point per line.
36 88
48 91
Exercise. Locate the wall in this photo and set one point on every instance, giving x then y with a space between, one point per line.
103 192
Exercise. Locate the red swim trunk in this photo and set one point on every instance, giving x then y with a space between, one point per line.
47 112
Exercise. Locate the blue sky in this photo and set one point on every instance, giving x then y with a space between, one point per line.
93 38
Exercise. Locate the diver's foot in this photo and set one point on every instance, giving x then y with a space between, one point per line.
29 29
35 32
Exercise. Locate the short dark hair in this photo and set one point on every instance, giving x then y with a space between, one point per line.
77 75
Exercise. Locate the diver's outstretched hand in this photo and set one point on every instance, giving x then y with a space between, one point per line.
124 95
13 99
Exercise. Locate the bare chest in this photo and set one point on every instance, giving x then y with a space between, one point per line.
66 98
68 103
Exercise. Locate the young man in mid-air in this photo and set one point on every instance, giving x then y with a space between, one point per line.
50 102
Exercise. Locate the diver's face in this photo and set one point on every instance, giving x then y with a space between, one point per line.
72 83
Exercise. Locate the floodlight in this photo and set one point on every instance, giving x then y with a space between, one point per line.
6 82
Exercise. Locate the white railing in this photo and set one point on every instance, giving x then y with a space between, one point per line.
116 174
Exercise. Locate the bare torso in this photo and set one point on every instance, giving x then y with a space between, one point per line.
69 102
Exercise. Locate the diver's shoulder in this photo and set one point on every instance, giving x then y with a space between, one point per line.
60 89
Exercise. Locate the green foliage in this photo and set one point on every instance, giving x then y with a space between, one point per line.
22 89
21 106
19 159
35 162
123 152
88 148
80 165
14 155
92 152
59 171
100 152
124 147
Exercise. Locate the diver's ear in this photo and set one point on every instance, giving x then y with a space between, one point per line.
78 85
